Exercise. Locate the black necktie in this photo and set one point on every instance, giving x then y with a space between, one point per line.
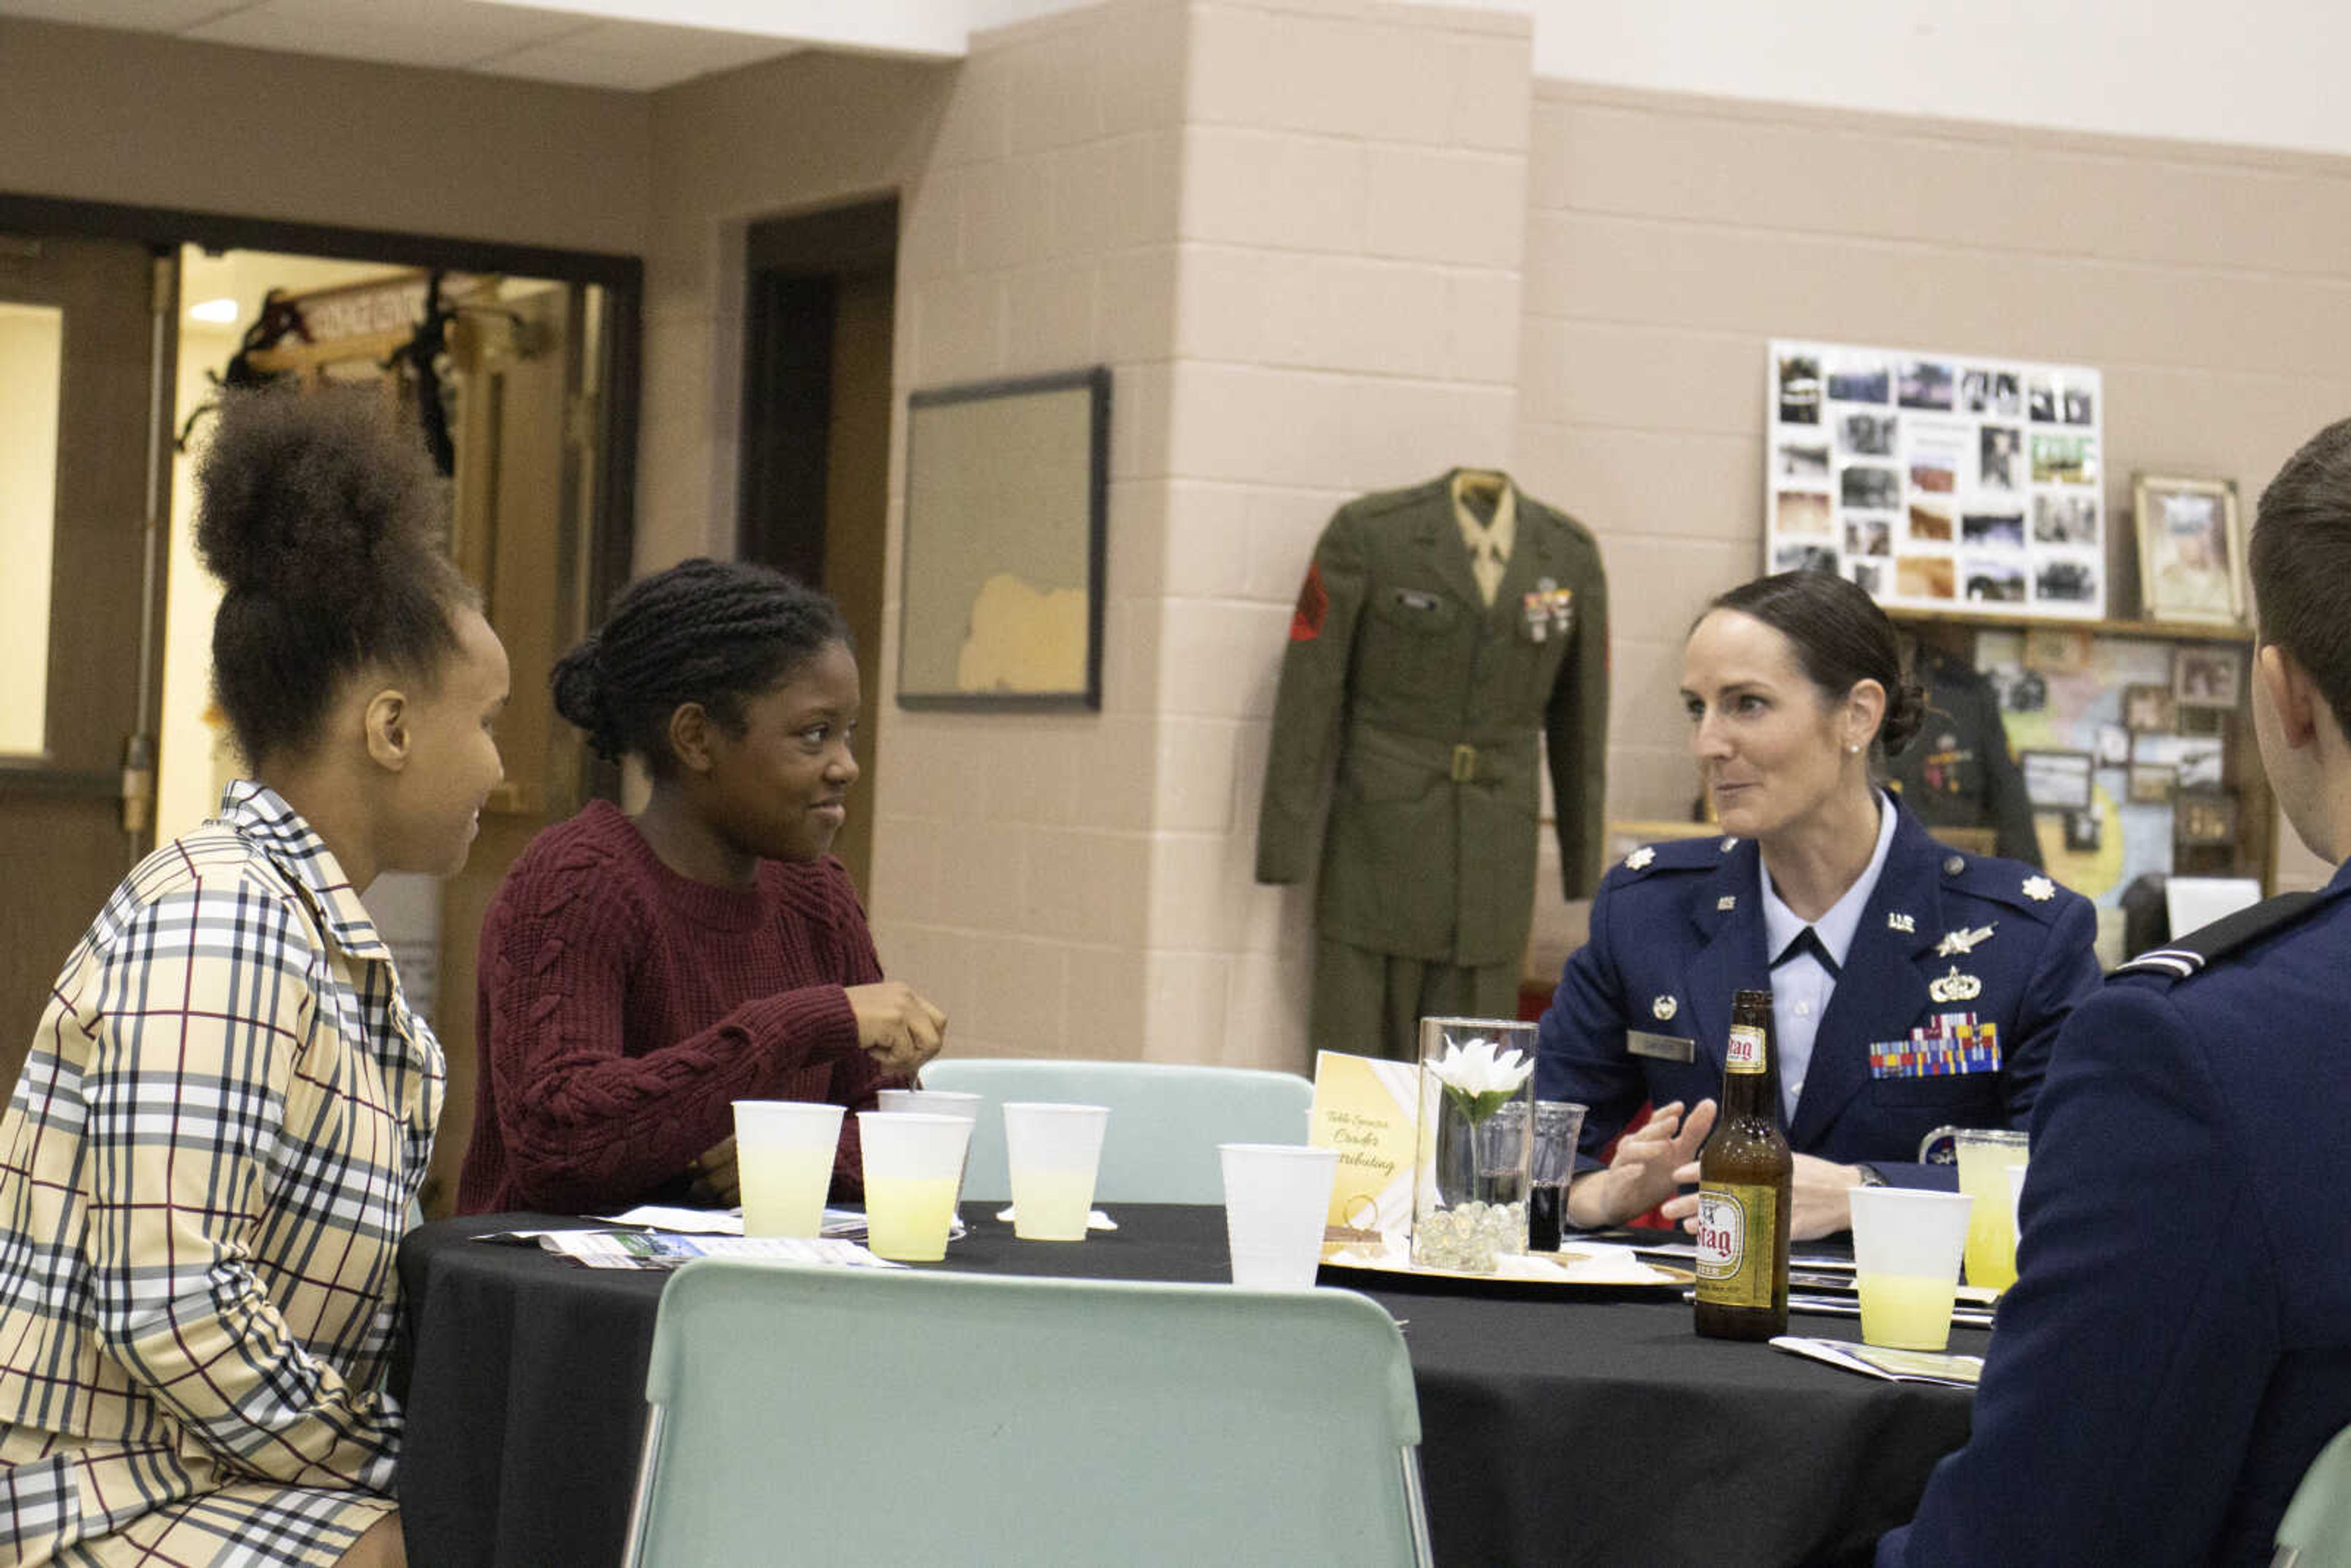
1807 941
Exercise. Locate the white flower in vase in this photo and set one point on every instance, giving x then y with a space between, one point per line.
1479 1078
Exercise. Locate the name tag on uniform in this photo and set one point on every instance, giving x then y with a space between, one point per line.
1663 1047
1954 1045
1413 599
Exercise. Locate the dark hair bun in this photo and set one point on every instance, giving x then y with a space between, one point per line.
315 497
1906 710
580 696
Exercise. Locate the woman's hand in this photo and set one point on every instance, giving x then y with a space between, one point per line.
1649 1166
716 1179
1820 1199
897 1027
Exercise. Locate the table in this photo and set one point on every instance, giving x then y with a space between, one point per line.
1555 1428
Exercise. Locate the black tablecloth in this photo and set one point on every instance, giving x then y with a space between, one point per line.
1555 1428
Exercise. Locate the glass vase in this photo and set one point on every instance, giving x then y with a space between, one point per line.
1474 1155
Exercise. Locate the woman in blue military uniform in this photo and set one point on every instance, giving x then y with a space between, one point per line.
1913 986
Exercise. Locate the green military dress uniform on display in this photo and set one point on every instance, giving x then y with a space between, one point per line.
1431 694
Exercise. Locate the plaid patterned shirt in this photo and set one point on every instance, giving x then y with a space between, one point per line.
204 1171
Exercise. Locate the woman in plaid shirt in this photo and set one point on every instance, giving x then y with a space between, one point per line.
206 1163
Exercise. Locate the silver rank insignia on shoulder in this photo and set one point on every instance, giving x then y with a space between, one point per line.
1955 987
1727 902
1664 1009
2039 889
1639 859
1960 942
1902 922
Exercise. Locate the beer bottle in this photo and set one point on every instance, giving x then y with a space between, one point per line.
1745 1175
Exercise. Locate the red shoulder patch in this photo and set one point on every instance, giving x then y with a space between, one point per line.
1314 604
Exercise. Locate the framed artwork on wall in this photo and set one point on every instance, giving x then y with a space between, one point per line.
2206 674
1006 498
1938 480
2191 548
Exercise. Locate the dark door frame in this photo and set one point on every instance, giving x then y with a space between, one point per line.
612 518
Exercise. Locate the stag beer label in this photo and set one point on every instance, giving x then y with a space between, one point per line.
1745 1052
1734 1244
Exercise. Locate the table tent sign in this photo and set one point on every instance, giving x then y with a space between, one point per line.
1368 1109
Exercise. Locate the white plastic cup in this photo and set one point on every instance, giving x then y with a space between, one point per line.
913 1162
1051 1153
938 1103
2016 1197
784 1151
1277 1199
1907 1246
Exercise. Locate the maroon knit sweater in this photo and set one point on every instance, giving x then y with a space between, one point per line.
621 1007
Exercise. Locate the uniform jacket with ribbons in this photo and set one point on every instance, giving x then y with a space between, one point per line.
1432 706
1677 927
2177 1348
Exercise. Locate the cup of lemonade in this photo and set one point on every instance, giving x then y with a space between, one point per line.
1985 1154
1051 1153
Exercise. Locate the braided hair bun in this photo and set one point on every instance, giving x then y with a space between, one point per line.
708 631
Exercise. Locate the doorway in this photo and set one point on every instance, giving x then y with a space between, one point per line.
820 302
532 381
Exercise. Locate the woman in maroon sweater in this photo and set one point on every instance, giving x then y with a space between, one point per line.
640 974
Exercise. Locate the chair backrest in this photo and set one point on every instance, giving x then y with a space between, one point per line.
1165 1119
2316 1531
813 1415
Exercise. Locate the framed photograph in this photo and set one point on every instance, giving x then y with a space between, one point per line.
2151 783
1007 497
2057 650
2147 710
2084 832
2191 548
2206 674
2057 781
2204 818
2114 746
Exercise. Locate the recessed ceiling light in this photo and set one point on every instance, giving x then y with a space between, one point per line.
220 311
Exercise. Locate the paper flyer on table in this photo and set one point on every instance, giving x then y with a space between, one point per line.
1368 1110
1893 1366
667 1250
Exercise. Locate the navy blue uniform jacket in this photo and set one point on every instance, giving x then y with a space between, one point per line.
2177 1347
1677 928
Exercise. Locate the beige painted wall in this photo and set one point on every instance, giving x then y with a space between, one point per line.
150 120
1326 246
1670 238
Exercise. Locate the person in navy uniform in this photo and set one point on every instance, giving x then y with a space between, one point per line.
2177 1347
1913 986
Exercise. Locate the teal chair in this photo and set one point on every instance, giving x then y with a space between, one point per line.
828 1416
2316 1530
1165 1119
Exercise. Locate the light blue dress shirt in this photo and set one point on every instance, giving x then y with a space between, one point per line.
1802 987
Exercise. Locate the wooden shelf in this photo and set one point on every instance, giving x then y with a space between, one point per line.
2153 631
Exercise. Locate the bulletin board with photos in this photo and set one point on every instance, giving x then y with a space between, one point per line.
1939 481
2136 748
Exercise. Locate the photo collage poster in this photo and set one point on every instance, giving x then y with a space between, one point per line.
1938 481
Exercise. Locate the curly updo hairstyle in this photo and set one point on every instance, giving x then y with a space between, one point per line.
324 520
715 633
1840 637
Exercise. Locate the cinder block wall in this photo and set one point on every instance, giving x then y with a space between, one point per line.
1670 238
